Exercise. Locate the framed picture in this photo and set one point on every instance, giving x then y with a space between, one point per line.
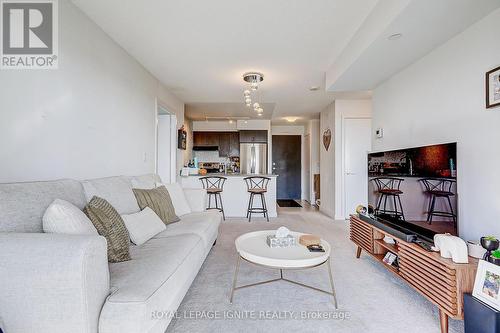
493 88
487 284
181 138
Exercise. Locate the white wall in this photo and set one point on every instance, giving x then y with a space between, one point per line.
327 162
294 130
441 98
93 117
345 109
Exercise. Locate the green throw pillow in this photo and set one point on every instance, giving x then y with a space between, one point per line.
159 201
109 224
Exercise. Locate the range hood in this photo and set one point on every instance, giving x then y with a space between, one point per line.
209 148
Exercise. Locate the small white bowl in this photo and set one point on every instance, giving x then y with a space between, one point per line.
475 249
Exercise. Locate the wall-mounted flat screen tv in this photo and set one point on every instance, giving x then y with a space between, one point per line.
416 188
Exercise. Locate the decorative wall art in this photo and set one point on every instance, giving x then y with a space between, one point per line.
327 138
493 88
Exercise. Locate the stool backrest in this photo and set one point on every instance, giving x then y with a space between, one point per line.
387 183
438 184
257 182
213 182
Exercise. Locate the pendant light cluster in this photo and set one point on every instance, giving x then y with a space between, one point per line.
253 78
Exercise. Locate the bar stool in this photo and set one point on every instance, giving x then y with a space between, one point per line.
257 185
439 188
214 186
388 187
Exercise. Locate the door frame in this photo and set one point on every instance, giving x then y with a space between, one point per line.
340 190
173 141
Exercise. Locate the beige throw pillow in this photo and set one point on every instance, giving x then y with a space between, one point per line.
109 224
159 201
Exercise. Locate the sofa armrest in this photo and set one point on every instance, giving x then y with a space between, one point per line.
197 199
52 282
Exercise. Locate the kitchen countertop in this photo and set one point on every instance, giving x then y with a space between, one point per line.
233 175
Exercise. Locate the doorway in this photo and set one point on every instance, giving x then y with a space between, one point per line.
287 165
357 144
166 150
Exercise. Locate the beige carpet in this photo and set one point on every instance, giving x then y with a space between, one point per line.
372 299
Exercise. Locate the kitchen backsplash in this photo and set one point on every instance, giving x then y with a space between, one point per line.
209 156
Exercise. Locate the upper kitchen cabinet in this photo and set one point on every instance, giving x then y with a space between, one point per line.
229 144
224 144
234 144
203 139
257 136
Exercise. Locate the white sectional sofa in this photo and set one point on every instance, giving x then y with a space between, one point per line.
63 283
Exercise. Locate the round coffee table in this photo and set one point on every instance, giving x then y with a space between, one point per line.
252 247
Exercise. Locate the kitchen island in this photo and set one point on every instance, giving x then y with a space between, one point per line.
235 196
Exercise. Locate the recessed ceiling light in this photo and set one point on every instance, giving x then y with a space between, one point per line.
395 36
314 88
291 119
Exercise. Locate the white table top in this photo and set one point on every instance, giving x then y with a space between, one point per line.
253 247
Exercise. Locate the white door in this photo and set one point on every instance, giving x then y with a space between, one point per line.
306 164
357 143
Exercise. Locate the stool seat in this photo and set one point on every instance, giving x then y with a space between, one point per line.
257 191
390 192
441 193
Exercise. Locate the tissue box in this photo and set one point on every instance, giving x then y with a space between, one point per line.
287 241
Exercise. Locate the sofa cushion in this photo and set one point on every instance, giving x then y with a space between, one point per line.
203 224
22 205
63 217
109 224
145 182
116 190
159 201
155 280
143 226
178 197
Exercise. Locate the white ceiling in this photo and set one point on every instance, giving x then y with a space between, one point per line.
370 57
200 49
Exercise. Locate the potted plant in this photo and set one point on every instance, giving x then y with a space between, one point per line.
490 243
495 257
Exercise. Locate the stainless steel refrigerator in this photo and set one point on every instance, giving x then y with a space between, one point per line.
253 158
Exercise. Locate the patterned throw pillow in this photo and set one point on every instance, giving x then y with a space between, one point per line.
109 224
159 201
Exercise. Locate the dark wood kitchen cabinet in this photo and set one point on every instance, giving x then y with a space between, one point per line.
224 144
257 136
234 144
229 144
205 139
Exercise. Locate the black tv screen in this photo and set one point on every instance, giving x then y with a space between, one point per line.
416 188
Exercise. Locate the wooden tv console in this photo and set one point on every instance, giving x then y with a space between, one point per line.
440 280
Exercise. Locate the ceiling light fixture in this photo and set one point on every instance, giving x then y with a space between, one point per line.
291 119
314 88
395 36
254 78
